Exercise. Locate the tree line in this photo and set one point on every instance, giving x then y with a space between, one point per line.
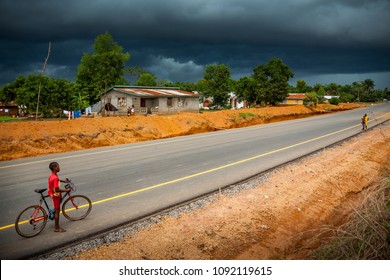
105 67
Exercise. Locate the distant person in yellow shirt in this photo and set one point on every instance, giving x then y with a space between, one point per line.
365 122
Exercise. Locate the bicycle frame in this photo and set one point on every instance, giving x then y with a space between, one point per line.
42 200
70 196
34 217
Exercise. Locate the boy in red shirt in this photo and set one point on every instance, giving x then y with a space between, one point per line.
54 192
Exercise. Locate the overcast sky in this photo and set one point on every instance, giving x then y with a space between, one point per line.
322 41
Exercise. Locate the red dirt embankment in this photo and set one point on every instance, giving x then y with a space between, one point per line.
34 138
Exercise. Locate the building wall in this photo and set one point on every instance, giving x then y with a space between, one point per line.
11 111
177 104
294 102
123 101
234 103
118 100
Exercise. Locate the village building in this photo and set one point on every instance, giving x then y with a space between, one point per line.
147 100
327 98
235 103
294 99
10 109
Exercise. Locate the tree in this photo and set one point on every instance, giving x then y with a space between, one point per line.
217 79
357 89
246 90
261 82
7 93
386 94
101 69
334 101
56 95
317 87
346 97
272 81
135 71
321 91
301 86
368 85
332 89
146 79
311 99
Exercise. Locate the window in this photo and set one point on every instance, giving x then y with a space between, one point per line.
169 101
121 102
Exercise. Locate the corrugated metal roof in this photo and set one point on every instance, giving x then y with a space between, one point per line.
153 92
9 104
296 96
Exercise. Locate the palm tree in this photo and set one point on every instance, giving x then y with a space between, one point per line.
357 88
368 85
333 89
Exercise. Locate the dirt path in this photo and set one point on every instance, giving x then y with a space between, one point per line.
279 219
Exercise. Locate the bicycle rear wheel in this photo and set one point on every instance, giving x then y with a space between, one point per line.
76 207
31 221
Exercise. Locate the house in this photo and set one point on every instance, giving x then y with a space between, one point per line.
235 103
294 99
148 100
10 109
329 97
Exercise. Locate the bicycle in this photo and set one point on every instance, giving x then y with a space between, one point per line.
32 220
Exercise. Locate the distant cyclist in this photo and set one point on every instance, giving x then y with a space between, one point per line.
54 192
365 122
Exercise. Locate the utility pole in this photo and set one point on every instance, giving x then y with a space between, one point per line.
40 81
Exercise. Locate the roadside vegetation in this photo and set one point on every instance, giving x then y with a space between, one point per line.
366 234
8 119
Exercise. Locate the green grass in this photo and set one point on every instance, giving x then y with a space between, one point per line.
7 119
245 115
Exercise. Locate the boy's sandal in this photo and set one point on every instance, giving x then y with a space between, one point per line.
60 230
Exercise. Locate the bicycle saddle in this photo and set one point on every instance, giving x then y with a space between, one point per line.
40 190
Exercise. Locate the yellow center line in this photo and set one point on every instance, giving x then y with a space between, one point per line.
210 170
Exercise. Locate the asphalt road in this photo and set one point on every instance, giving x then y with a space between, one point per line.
131 181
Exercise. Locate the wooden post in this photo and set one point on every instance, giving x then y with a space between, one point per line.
40 82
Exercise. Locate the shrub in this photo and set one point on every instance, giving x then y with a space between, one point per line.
334 101
245 115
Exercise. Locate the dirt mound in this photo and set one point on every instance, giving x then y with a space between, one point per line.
28 139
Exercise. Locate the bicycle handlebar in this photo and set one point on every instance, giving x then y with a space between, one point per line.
70 185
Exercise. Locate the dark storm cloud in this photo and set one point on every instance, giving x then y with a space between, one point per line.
177 38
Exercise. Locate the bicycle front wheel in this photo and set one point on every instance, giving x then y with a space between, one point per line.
31 221
76 207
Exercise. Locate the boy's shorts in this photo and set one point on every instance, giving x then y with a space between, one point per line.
56 201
